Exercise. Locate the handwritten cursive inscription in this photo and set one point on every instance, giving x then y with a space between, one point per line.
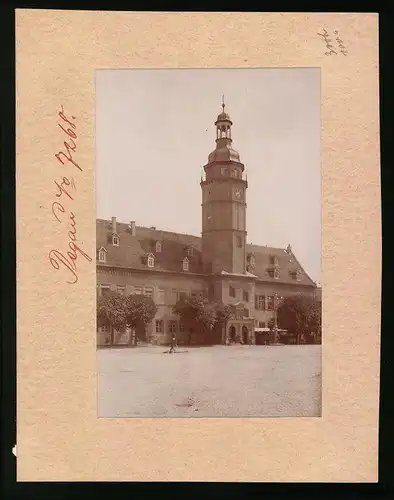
65 189
70 146
334 44
57 258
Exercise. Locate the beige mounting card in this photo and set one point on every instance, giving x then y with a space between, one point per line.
59 437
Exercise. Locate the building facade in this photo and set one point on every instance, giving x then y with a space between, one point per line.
220 265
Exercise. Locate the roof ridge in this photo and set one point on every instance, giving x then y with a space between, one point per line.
150 228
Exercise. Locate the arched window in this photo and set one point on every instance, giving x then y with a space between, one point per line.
185 264
158 246
115 240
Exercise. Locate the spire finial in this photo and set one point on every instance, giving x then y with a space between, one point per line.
223 102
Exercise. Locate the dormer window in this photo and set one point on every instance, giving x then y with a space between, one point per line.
158 246
115 240
251 259
150 261
299 275
274 260
185 264
102 255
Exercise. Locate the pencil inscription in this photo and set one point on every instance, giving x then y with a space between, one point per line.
334 44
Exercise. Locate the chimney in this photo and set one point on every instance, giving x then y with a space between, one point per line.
132 228
113 225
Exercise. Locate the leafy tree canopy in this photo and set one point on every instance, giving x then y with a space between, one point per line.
139 310
223 313
199 313
111 311
299 314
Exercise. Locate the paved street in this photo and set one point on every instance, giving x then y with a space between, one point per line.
220 381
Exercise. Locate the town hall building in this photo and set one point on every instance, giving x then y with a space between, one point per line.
220 265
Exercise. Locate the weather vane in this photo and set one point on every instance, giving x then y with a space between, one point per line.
223 102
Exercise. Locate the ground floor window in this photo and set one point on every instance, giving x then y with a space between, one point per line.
159 326
105 290
181 327
260 302
172 326
148 292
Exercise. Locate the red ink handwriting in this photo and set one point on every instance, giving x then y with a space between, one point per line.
65 189
70 146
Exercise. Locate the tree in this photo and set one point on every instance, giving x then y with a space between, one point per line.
196 313
139 312
111 313
315 320
299 314
223 314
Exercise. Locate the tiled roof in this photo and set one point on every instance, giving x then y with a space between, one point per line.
132 253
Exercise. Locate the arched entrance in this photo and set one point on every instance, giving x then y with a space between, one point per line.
245 335
231 334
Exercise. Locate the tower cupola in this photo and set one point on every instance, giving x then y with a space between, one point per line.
223 151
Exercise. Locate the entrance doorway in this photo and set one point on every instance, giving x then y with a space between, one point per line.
231 334
245 335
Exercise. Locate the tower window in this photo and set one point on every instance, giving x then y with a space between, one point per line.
246 296
239 241
151 261
224 171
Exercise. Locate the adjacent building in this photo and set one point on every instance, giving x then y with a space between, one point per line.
220 265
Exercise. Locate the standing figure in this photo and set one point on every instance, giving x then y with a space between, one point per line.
173 343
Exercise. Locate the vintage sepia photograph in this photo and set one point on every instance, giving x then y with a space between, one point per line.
208 243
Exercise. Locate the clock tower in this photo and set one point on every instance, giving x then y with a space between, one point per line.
224 205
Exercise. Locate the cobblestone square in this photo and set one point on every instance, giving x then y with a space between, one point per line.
220 381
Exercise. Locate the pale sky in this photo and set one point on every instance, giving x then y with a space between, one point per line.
155 129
